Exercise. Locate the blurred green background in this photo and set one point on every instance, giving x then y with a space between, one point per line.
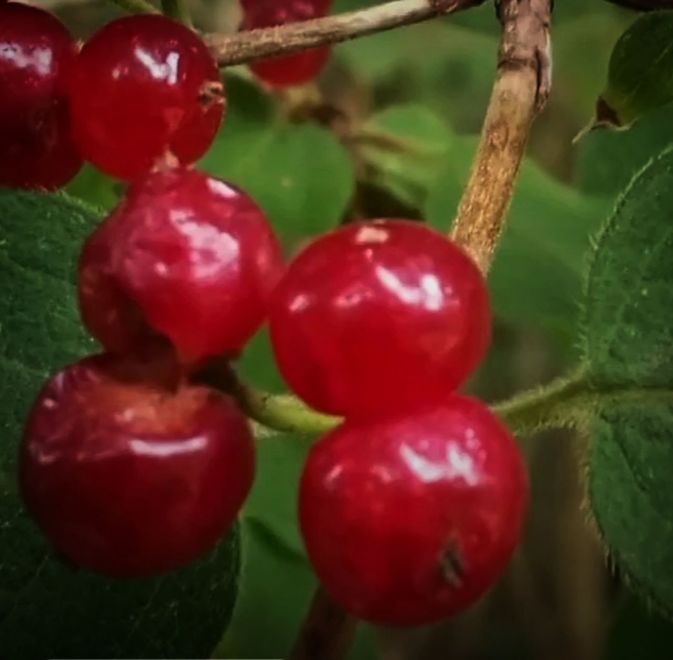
390 131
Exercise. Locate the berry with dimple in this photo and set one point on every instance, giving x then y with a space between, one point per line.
288 70
379 315
36 57
128 477
184 256
410 518
145 90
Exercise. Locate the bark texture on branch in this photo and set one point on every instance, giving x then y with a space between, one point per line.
327 631
522 85
644 5
266 42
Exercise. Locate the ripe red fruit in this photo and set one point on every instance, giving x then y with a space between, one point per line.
410 518
379 315
288 70
36 57
145 89
128 478
185 256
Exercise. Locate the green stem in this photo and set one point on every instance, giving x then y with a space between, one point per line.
137 6
283 413
568 402
571 402
563 403
178 10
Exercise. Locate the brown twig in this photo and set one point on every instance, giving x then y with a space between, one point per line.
327 631
521 88
256 44
644 5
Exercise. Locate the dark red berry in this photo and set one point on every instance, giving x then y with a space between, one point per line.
128 478
185 256
379 315
410 518
288 70
145 90
36 57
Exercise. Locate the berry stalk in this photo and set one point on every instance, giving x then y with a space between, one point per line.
563 403
283 412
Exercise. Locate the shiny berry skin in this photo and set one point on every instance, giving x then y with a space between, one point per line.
288 70
130 479
410 518
185 256
379 315
145 89
36 57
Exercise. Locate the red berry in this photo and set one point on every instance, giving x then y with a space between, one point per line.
185 256
145 88
36 58
379 315
288 70
128 478
410 518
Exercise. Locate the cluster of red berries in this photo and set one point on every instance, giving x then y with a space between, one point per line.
412 507
143 92
132 466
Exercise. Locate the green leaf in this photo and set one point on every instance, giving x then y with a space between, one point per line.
608 160
298 173
47 608
628 355
628 326
640 75
630 465
403 147
547 234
